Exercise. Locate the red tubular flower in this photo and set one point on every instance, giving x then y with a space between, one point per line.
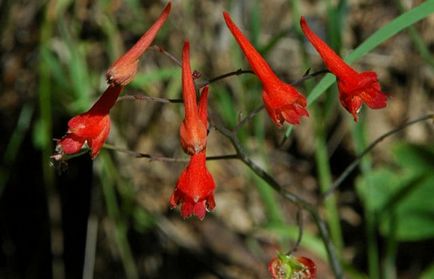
193 130
282 101
354 88
195 187
90 128
123 70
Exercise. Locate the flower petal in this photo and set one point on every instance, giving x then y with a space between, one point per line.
69 144
195 189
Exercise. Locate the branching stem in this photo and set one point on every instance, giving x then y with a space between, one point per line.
356 162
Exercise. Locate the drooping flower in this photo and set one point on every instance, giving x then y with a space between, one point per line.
123 70
195 187
89 129
282 101
291 267
354 88
193 130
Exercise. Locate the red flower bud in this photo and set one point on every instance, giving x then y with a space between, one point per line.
193 130
290 267
123 70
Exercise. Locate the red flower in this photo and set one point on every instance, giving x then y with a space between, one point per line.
123 70
193 130
195 187
354 88
282 101
288 266
90 128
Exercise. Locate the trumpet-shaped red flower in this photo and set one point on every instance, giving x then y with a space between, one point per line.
282 101
90 128
193 130
354 88
123 70
195 187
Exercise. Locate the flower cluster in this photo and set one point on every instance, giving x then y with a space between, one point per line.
91 129
194 191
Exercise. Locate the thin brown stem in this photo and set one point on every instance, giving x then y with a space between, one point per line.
223 157
149 99
356 162
249 117
226 75
138 97
166 159
167 54
307 75
198 74
299 219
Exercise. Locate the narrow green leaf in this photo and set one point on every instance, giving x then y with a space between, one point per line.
414 212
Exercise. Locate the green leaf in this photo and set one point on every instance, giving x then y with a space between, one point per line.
376 188
419 158
404 193
414 213
143 220
429 273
